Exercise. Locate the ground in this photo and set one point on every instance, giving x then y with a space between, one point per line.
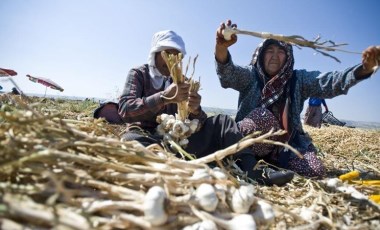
62 167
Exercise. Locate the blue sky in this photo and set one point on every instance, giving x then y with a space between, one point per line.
88 46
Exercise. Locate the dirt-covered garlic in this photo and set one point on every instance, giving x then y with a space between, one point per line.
154 210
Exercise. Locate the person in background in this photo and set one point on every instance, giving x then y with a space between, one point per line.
15 91
145 96
272 94
313 115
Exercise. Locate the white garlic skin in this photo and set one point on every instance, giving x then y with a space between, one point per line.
228 32
264 213
242 222
243 198
219 174
201 174
204 225
154 210
206 197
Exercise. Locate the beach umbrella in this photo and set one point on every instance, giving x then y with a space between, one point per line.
8 73
46 82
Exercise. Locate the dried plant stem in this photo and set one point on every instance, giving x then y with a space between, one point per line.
296 40
246 142
26 208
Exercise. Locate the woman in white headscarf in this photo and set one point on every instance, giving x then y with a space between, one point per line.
141 102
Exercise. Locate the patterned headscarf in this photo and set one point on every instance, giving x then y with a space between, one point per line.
163 40
273 87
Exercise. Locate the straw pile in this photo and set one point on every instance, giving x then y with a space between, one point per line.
62 169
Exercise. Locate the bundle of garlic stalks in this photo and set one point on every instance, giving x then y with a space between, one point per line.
61 169
176 129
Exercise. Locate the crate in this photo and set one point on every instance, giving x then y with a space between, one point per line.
328 118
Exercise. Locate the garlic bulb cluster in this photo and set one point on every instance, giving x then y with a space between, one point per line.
175 129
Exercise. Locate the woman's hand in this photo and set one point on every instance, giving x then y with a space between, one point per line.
371 58
370 62
176 93
220 41
221 47
194 103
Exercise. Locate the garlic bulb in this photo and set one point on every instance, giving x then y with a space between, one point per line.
206 197
333 183
218 173
201 174
153 207
243 198
228 32
204 225
174 129
221 190
240 222
264 213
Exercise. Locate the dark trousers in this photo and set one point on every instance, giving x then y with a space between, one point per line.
218 132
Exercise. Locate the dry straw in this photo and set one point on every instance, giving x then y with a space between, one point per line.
65 170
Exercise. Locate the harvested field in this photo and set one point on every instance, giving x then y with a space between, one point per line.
61 169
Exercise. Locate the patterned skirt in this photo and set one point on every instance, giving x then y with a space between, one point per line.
261 119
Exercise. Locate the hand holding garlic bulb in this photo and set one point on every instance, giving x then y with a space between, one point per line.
225 35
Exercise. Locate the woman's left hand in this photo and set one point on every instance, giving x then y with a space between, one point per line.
371 58
194 103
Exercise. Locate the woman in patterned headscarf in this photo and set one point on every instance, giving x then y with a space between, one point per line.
272 95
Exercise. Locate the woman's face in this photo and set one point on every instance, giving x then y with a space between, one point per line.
161 64
274 59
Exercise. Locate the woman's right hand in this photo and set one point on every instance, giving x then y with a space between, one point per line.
176 93
220 40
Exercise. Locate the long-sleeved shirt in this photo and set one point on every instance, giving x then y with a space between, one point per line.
140 103
247 82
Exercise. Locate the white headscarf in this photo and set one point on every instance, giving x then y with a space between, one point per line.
163 40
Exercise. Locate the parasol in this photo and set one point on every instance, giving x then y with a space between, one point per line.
46 82
9 73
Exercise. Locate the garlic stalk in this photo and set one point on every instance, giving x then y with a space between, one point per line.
293 39
154 210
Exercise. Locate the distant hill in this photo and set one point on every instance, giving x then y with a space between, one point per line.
355 124
362 124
